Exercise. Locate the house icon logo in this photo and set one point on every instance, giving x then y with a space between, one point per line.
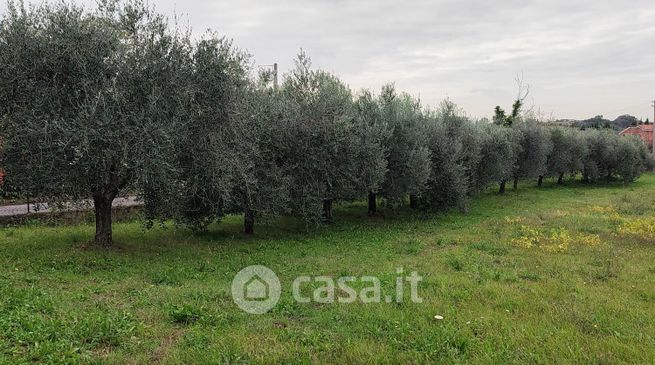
256 289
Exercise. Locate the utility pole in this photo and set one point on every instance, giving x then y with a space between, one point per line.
274 73
275 78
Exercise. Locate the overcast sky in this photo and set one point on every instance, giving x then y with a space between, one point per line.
580 58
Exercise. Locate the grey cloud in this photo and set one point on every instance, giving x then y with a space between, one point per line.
580 57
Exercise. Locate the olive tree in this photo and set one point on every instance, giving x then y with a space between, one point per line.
212 154
635 158
371 152
535 147
90 101
260 185
611 156
319 150
471 136
499 148
600 154
448 183
568 154
408 157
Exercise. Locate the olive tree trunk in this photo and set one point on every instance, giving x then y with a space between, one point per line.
372 203
413 201
516 182
540 182
560 179
327 210
102 203
501 188
249 221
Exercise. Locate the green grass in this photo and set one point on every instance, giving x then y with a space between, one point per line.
164 295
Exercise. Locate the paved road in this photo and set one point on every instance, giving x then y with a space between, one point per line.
21 209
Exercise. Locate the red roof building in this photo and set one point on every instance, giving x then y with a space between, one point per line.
644 131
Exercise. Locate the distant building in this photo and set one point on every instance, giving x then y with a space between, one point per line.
644 131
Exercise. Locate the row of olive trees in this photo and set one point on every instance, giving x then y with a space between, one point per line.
98 103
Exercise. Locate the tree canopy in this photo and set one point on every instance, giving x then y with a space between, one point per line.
114 100
90 101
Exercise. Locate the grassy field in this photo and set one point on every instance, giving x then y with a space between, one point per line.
551 275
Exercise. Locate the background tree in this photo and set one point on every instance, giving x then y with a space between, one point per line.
501 118
90 101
